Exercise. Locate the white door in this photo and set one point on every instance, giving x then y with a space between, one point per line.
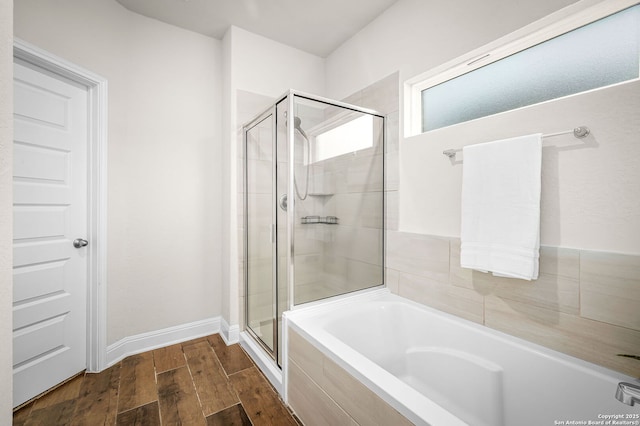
50 212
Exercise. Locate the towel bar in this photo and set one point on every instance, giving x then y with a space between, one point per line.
579 132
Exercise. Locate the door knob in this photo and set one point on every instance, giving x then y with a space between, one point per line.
79 242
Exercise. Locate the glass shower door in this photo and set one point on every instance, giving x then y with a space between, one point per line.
314 208
260 219
338 191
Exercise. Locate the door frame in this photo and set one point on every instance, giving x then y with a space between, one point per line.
268 113
97 191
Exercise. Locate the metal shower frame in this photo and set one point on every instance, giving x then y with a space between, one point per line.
290 96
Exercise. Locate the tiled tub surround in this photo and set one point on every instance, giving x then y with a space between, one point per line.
376 357
585 303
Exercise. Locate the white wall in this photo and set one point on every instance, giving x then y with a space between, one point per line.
164 156
588 197
414 36
6 209
228 106
262 66
590 188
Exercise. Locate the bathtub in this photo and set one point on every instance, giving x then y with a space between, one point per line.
438 369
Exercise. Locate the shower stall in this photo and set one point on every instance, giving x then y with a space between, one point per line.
313 208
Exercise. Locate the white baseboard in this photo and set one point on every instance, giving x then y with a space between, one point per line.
139 343
230 334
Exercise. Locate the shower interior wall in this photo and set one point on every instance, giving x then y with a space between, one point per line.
332 259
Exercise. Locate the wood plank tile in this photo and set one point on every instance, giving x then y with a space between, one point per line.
259 399
137 382
21 416
213 388
146 415
129 389
194 341
65 392
55 414
168 358
232 358
98 400
232 416
178 400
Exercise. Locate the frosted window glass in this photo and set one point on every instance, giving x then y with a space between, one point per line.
599 54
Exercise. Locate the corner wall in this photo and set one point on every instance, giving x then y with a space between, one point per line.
164 161
6 210
255 68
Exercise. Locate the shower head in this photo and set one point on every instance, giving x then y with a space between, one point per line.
296 125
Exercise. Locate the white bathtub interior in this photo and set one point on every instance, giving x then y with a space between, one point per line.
464 384
415 357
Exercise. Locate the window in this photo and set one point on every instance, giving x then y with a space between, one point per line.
578 59
350 135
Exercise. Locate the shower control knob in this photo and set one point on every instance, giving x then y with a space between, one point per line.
79 243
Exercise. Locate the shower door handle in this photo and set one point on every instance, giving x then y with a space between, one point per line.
283 202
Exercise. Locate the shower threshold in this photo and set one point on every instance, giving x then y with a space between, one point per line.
265 363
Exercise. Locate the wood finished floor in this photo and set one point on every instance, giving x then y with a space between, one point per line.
199 382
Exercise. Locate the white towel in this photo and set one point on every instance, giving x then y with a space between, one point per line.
500 229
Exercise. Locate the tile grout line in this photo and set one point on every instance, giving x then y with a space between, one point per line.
118 395
215 354
155 372
193 383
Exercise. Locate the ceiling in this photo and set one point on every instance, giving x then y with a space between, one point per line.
315 26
